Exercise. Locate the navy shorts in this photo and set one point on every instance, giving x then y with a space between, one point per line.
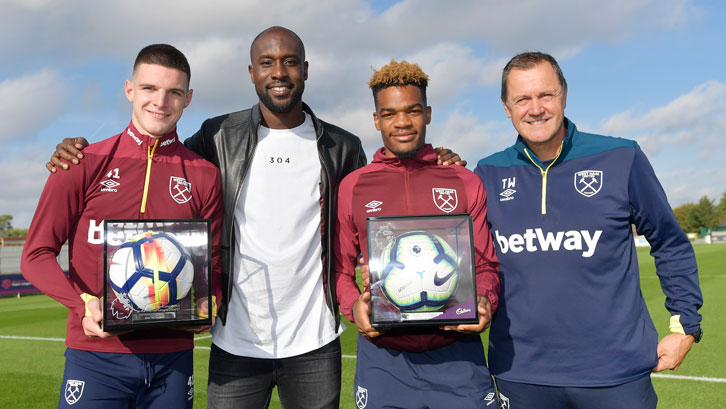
453 376
121 381
637 394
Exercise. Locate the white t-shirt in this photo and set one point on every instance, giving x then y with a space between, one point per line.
277 305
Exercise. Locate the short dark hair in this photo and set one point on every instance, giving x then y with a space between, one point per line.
397 74
283 29
166 56
526 61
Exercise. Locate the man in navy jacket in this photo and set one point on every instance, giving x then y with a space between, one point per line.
561 208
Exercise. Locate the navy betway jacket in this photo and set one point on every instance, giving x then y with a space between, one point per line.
571 312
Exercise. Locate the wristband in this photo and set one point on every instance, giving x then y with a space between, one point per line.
86 298
675 325
214 308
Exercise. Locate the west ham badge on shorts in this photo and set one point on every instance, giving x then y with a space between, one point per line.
422 270
156 274
73 391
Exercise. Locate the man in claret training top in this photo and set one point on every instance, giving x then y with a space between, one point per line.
430 367
126 176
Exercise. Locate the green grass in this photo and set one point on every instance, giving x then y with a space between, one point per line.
32 369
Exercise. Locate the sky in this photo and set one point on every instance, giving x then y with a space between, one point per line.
648 70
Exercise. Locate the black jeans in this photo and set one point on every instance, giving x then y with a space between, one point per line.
307 381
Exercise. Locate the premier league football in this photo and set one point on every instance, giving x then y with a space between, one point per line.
420 273
421 270
151 271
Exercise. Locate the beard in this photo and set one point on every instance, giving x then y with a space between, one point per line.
411 153
407 154
280 106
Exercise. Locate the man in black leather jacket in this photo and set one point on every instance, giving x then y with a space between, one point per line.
229 142
245 365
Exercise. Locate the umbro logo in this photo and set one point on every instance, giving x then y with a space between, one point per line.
507 195
110 184
373 206
508 191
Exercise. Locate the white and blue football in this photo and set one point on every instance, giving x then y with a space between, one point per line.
151 271
420 271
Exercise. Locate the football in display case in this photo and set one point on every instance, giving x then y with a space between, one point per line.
422 270
156 274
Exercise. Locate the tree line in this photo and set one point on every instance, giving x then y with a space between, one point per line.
695 216
691 216
7 230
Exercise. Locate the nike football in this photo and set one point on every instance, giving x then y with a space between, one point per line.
151 271
420 271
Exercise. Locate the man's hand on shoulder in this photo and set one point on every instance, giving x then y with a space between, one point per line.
672 350
70 150
449 157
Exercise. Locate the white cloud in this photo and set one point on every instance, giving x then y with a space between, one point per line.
688 121
470 138
220 78
28 4
113 29
684 133
358 121
24 176
454 69
685 110
462 45
536 24
29 103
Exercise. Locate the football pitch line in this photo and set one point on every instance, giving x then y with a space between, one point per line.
654 375
31 338
688 378
700 275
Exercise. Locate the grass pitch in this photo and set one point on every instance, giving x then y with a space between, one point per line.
32 329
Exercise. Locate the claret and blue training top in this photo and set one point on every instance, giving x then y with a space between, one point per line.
391 186
127 176
571 312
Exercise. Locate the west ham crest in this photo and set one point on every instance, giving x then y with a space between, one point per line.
74 390
180 189
361 397
120 308
588 182
445 199
503 401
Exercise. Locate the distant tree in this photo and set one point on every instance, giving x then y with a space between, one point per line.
16 233
683 216
703 214
5 224
721 210
7 229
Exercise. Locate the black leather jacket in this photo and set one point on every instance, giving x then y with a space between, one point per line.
229 141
